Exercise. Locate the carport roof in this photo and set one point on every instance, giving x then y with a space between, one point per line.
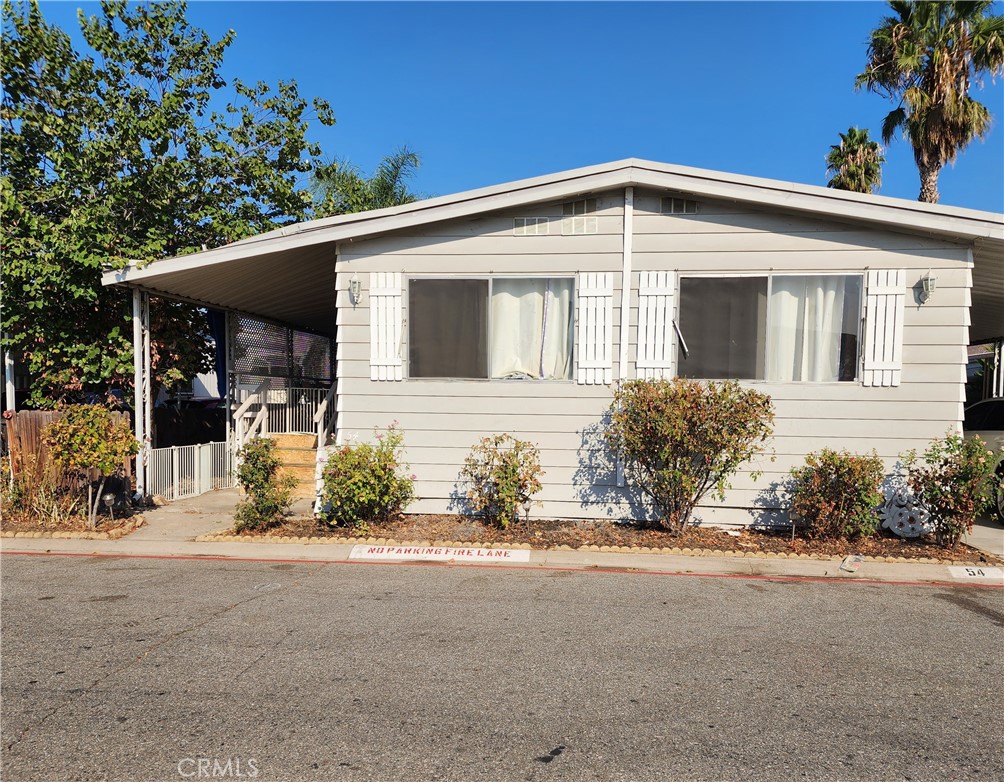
288 274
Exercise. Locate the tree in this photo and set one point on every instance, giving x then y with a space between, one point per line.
343 189
136 149
85 438
856 162
927 57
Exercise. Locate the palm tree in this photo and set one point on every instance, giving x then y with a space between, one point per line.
856 163
342 188
927 57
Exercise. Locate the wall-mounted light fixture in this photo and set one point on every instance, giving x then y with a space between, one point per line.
928 283
355 289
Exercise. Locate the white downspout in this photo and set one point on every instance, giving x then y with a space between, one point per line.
625 343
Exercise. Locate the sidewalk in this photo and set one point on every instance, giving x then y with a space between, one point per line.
170 531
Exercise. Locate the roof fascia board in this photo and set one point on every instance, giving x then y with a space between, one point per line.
371 226
951 222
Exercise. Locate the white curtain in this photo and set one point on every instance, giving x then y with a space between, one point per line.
805 323
531 328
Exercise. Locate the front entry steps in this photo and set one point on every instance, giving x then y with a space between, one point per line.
298 454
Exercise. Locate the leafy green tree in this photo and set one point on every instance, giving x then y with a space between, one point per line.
344 189
86 437
927 57
134 149
855 163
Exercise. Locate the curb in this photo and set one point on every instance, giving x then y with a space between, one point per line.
673 551
115 534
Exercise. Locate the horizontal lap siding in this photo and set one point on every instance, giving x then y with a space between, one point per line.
724 239
441 419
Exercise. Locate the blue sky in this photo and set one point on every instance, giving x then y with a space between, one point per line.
492 92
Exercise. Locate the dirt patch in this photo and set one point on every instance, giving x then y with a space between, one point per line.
14 522
548 533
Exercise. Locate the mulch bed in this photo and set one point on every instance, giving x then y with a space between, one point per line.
542 534
11 522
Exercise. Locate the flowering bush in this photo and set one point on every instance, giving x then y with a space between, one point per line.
268 489
364 482
681 439
955 479
503 474
835 494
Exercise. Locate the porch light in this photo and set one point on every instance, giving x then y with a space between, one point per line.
929 283
355 289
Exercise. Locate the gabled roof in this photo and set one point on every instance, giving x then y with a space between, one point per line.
271 262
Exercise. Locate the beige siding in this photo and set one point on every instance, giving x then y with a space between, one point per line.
441 419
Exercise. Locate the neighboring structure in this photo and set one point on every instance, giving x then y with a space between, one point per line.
505 309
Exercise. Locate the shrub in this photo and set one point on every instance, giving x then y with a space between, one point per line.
681 439
363 482
86 437
269 491
955 479
503 474
835 495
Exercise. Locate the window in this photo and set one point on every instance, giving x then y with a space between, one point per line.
490 328
577 217
530 226
678 206
779 328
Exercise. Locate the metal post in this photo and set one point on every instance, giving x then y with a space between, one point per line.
139 417
8 366
175 473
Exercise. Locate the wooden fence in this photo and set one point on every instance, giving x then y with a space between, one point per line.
28 453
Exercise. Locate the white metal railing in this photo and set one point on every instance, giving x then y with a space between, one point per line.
190 470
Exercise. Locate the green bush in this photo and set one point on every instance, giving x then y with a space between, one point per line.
364 483
955 479
681 439
503 474
86 437
269 491
835 495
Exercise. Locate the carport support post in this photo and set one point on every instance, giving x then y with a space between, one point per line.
8 371
141 386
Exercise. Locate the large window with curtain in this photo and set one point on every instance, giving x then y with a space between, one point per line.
498 327
785 328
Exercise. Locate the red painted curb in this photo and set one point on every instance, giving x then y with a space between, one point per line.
583 569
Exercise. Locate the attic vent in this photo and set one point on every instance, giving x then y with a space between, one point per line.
678 206
577 217
529 226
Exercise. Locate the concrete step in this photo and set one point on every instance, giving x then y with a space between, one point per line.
295 440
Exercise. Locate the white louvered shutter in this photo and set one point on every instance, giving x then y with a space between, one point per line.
883 339
595 307
655 325
385 326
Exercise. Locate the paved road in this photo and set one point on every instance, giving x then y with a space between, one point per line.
135 669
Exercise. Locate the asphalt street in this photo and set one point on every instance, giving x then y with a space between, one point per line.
150 669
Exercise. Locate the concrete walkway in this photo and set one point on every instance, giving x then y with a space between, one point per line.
987 535
171 531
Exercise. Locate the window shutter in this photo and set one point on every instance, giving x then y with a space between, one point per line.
595 308
385 326
655 325
883 338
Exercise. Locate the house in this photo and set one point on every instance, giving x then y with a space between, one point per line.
516 308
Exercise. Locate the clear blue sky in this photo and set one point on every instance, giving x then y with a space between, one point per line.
491 92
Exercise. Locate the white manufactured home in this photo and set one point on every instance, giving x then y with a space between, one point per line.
517 308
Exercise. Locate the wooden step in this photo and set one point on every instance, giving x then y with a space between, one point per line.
295 440
298 456
302 473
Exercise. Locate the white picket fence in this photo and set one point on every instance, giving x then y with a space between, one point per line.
190 470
